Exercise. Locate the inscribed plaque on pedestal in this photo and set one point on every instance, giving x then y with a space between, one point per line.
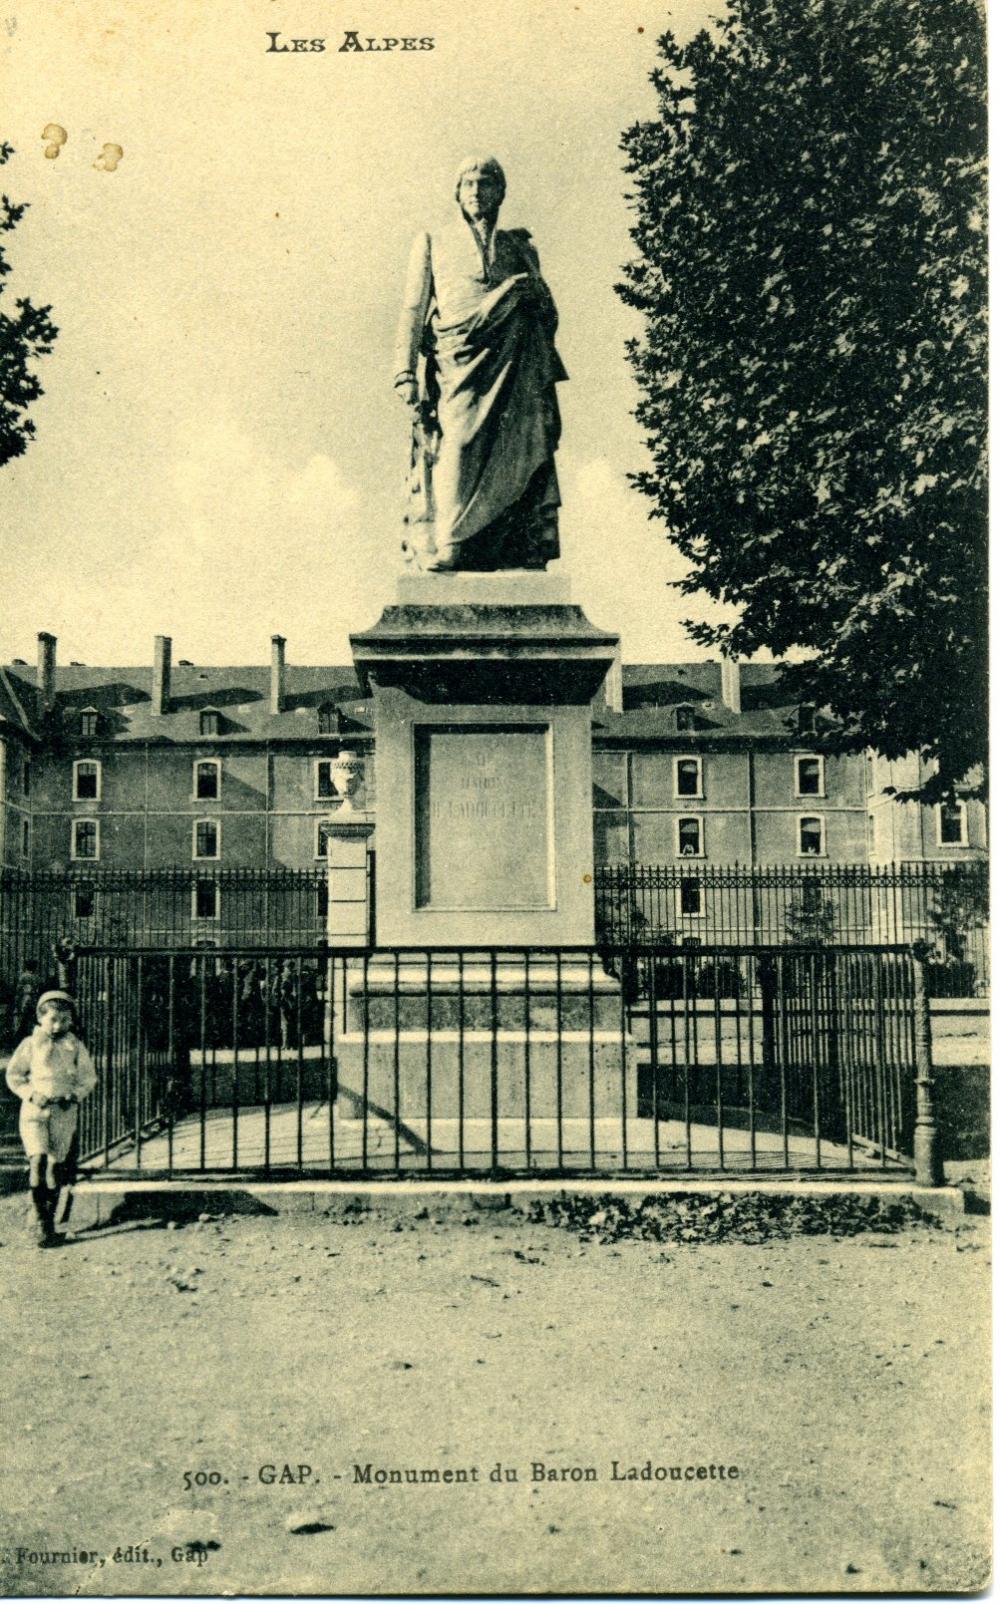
483 835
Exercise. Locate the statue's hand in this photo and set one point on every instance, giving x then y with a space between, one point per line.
407 390
531 292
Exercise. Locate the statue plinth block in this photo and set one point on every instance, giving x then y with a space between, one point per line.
507 587
482 685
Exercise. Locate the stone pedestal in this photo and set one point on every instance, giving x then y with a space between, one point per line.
482 685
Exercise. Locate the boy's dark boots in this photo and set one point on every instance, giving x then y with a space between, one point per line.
44 1203
65 1177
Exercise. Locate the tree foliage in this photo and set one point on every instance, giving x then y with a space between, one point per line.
26 335
810 265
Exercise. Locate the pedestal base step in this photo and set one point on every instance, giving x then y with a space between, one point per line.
450 1074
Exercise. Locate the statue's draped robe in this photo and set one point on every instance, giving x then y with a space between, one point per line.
485 489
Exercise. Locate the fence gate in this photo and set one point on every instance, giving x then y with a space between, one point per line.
627 1059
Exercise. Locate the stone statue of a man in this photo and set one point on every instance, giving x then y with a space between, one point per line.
476 365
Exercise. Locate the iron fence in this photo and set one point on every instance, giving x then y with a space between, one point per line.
632 1059
852 905
128 909
679 903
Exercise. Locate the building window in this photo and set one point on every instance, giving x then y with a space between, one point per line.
809 776
85 844
26 778
324 787
684 718
689 838
689 903
812 837
869 774
210 721
953 824
207 779
322 831
807 718
205 900
687 776
88 721
25 839
86 781
323 899
206 839
83 902
330 720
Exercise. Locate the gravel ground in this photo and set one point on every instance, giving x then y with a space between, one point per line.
844 1378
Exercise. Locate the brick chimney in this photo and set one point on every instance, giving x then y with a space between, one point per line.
277 673
161 674
613 682
731 685
46 669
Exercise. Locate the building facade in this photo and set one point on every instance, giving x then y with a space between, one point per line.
173 765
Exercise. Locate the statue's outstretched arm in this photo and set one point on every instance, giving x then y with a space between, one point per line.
416 300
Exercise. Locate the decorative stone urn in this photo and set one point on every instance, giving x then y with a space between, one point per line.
346 773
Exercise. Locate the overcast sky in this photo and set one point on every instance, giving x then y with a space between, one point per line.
219 452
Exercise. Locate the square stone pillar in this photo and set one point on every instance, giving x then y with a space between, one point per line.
482 686
348 911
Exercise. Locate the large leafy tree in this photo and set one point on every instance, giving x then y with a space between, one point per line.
809 224
27 334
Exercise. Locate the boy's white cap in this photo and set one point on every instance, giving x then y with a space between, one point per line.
54 996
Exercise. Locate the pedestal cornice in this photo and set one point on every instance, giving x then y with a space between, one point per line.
479 651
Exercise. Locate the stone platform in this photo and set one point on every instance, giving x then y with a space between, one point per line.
287 1138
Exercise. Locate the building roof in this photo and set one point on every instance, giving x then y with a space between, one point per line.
16 700
122 698
652 692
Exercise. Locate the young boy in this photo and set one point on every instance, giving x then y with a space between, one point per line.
50 1071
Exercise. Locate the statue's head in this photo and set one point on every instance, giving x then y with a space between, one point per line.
480 186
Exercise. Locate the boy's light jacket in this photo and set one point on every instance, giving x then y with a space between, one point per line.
46 1066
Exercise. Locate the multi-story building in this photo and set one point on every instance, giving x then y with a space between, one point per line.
178 765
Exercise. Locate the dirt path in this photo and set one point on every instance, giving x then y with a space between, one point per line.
845 1380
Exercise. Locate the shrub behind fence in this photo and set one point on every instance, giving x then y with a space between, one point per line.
705 904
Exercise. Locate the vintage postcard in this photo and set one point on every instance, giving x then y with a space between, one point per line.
494 936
